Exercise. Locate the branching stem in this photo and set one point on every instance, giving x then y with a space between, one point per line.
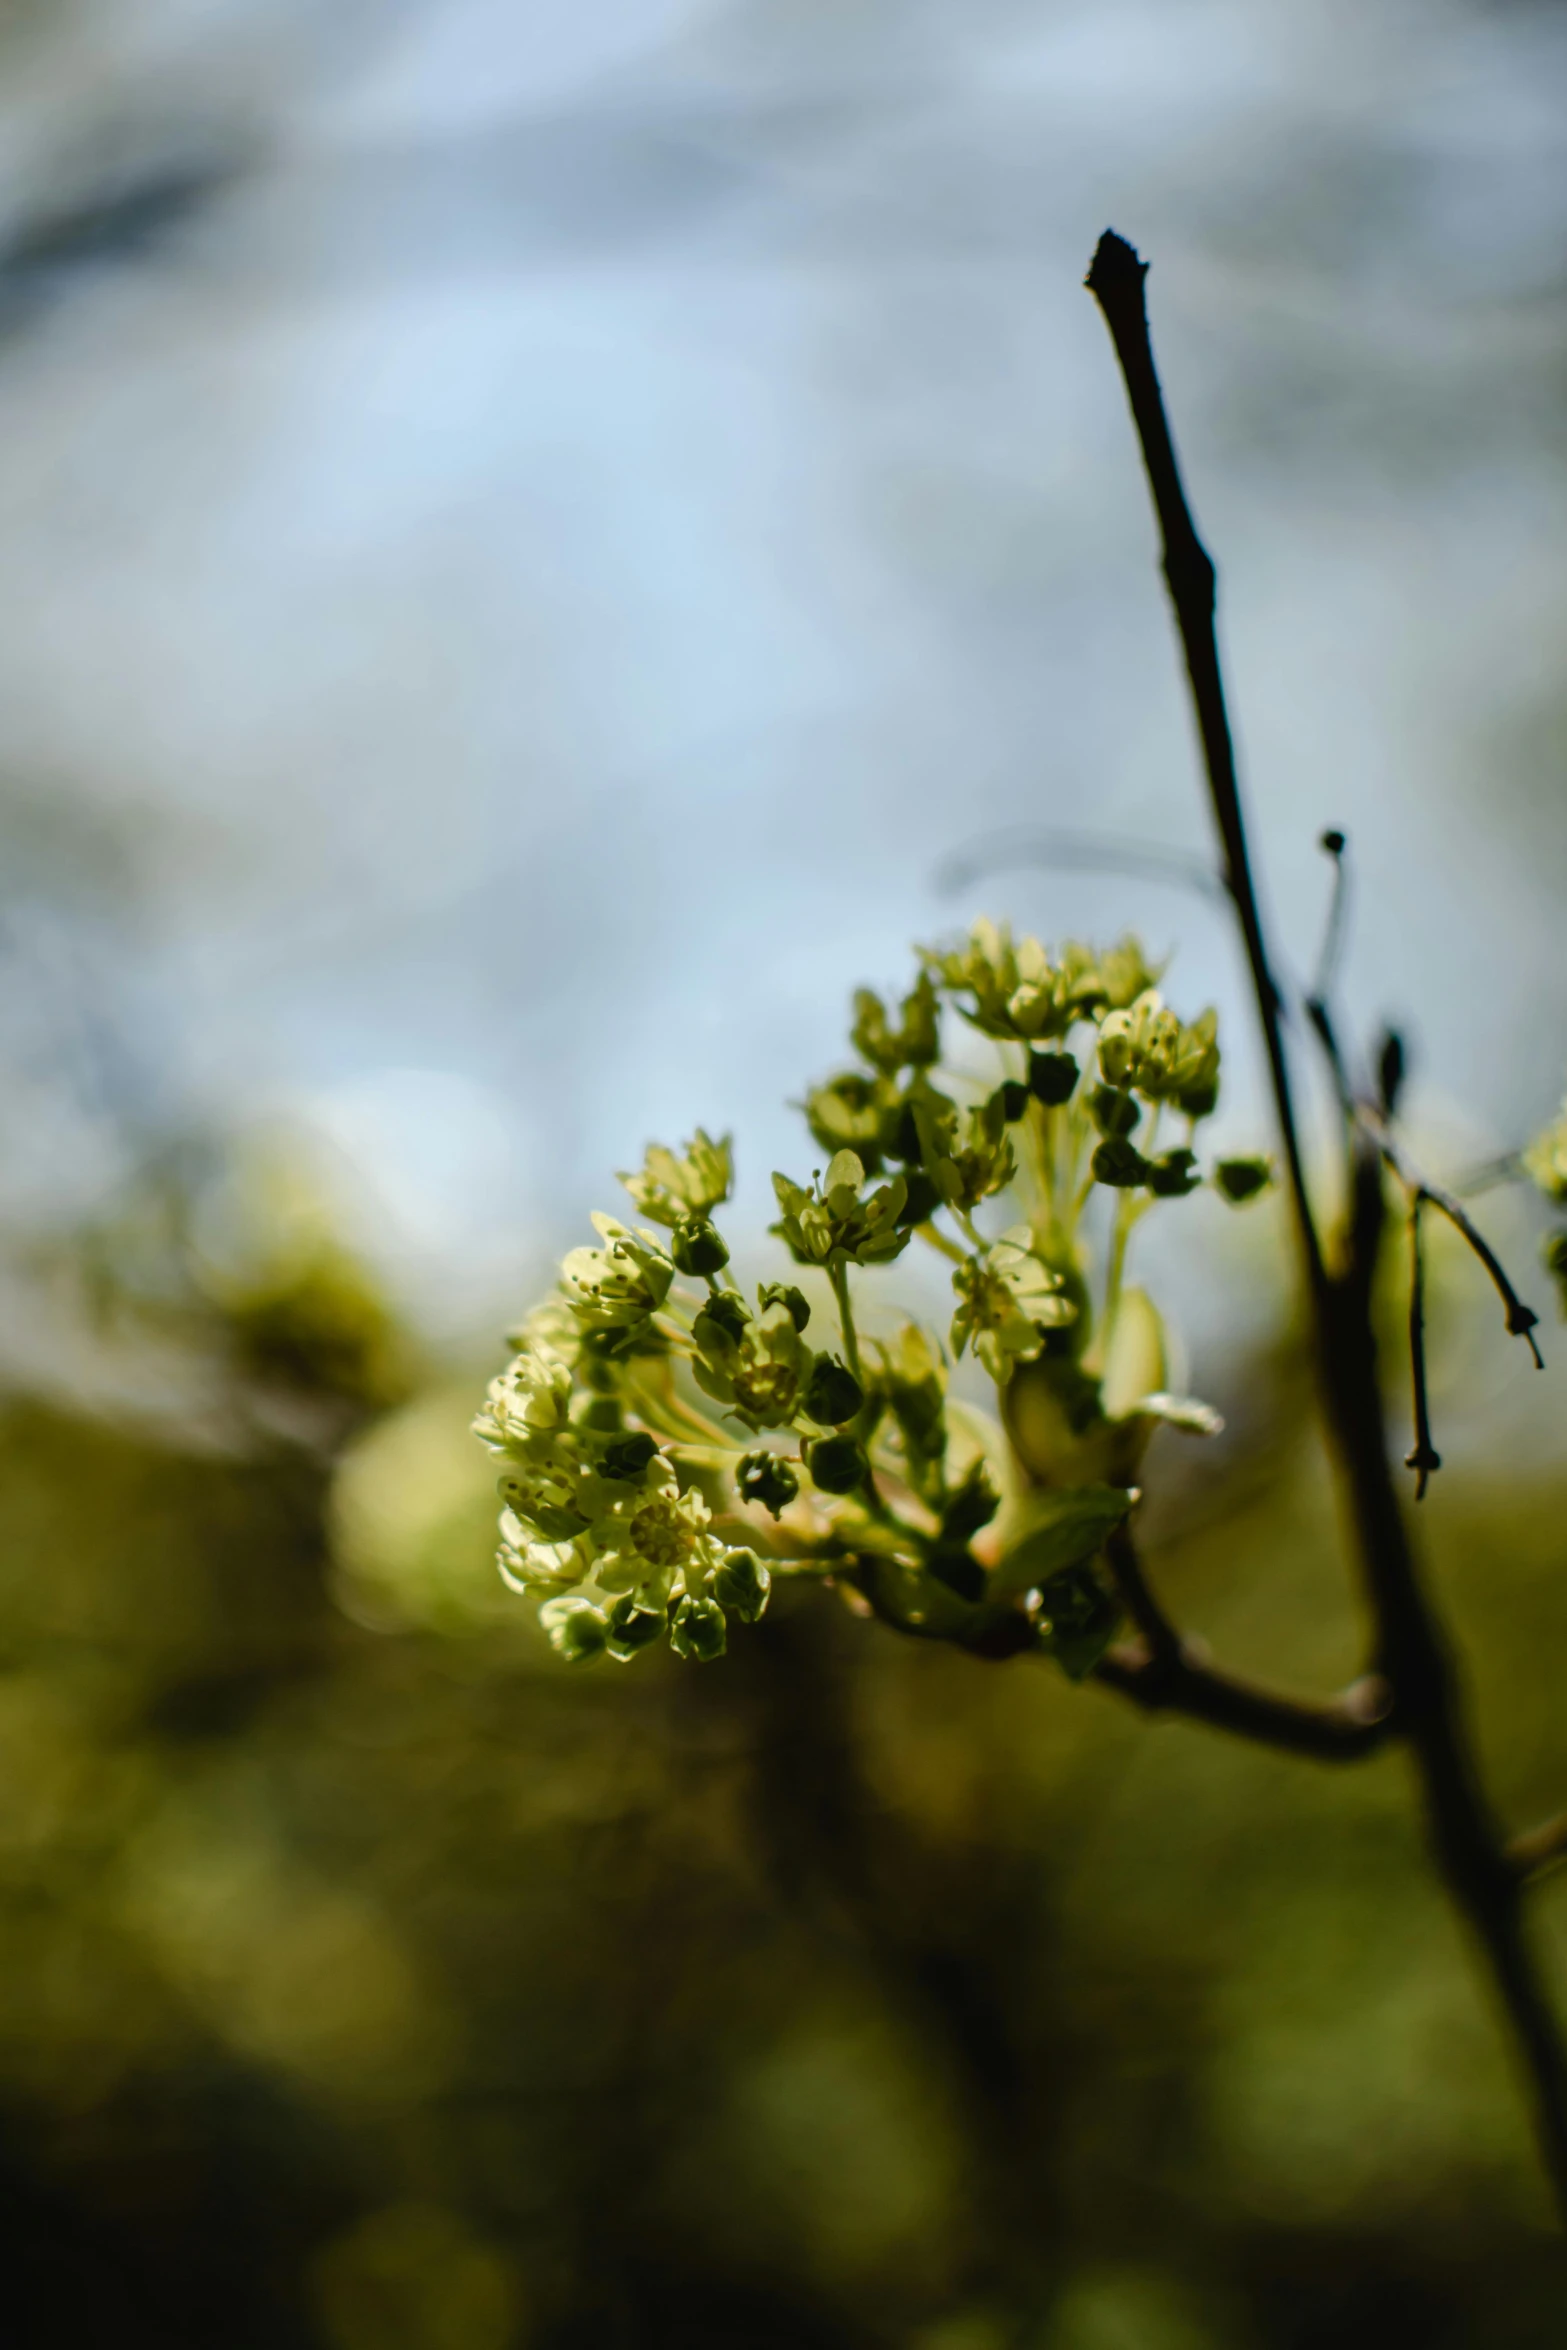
1412 1650
1522 1320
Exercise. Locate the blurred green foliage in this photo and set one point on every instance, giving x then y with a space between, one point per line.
368 1981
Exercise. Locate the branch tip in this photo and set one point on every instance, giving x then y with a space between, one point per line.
1116 267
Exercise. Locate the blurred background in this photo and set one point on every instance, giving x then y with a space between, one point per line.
538 548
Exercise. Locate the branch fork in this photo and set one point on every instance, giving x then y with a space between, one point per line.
1412 1691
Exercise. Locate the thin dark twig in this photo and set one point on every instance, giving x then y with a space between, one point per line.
1521 1319
1334 845
1079 852
1116 282
1347 1728
1412 1647
1163 1673
1321 1018
1425 1457
1137 1596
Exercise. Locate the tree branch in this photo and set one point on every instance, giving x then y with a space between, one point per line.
1423 1458
1521 1319
1412 1648
1116 283
1163 1673
1346 1728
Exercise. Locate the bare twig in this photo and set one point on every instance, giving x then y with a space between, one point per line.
1321 1018
1163 1673
1137 1595
1424 1457
1116 282
1335 1729
1334 845
1521 1319
1412 1649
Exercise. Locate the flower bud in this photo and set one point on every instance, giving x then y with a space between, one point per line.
729 1312
1052 1078
1113 1111
633 1625
832 1393
767 1478
1011 1098
1240 1180
1173 1174
1119 1164
1390 1070
697 1630
742 1583
628 1456
837 1464
698 1247
576 1629
784 1293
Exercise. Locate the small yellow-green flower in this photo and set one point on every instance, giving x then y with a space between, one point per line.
758 1370
1148 1050
619 1285
671 1188
913 1044
832 1225
1007 1300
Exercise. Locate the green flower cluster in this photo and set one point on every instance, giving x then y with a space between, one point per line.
672 1443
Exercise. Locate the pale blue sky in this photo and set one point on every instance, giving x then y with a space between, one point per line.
537 573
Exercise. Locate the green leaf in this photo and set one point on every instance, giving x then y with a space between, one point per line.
1062 1529
1136 1361
1078 1618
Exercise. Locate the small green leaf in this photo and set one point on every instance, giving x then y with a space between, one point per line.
1078 1618
1063 1529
